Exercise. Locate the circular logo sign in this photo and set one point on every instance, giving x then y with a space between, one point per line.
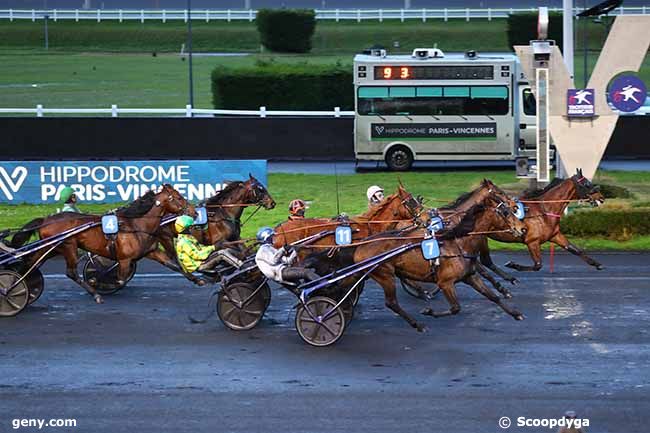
627 93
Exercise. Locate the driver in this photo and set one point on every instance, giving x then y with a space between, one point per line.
277 264
194 256
69 200
375 195
297 209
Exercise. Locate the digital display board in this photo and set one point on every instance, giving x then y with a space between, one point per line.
396 72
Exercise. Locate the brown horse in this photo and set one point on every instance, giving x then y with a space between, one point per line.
225 209
486 211
138 224
545 207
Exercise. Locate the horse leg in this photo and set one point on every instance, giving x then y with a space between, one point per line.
486 260
478 285
69 252
562 241
385 276
497 285
449 291
535 251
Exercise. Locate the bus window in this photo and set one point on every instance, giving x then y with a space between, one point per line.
530 106
433 101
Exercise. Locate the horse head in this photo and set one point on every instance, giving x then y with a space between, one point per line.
256 193
585 190
504 208
173 202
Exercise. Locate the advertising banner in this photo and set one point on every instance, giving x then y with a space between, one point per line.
434 131
580 102
40 182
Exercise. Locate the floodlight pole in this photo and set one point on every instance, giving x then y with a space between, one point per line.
189 47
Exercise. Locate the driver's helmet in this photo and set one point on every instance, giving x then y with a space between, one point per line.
265 235
66 194
375 194
183 222
297 208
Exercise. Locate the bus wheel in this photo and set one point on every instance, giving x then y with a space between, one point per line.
399 158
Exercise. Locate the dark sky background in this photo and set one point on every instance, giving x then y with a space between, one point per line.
342 4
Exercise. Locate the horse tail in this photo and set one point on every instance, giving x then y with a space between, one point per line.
26 232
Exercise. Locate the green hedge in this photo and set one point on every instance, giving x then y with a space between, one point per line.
286 31
283 87
522 28
617 224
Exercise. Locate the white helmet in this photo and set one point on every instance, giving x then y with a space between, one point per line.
370 193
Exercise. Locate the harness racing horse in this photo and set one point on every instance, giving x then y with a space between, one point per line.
484 210
542 219
225 209
136 238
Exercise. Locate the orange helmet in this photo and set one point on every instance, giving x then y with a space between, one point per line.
297 207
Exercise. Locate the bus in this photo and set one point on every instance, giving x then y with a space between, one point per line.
441 107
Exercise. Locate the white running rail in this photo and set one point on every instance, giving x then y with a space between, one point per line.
188 111
208 15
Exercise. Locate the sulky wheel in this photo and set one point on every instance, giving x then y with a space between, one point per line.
318 323
16 299
240 306
101 273
35 283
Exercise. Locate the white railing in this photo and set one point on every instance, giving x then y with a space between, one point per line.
188 111
208 15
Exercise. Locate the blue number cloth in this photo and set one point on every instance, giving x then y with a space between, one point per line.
110 225
430 249
201 216
343 235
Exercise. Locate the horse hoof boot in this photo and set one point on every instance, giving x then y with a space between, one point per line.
519 316
99 299
600 267
420 328
513 281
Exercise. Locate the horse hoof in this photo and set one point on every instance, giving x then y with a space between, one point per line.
200 283
600 267
507 295
427 311
513 281
519 316
510 265
99 299
420 328
92 282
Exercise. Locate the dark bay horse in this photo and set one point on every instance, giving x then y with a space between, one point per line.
485 210
545 207
138 224
225 209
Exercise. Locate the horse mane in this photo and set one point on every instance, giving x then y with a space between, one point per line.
224 192
138 207
374 210
460 200
533 193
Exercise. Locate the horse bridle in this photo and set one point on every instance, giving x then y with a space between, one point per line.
584 191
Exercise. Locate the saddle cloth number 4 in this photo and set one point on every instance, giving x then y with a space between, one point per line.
110 226
430 249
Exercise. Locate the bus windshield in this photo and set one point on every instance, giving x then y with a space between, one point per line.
433 100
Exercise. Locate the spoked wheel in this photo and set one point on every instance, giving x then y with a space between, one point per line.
240 306
318 323
17 298
101 273
35 283
415 292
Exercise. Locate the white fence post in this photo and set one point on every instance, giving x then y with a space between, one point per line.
401 15
228 15
337 111
489 14
381 15
113 110
121 17
39 110
55 17
424 15
76 15
358 15
250 15
142 15
622 10
99 15
467 14
446 15
33 15
11 14
207 15
188 110
185 14
262 111
337 15
164 16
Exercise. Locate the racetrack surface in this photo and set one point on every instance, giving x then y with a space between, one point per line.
136 364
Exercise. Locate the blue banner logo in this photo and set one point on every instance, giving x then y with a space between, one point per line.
40 182
580 103
627 93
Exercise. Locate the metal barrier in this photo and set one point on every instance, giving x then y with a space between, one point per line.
208 15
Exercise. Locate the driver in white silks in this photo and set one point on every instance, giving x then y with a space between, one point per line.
375 195
277 263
